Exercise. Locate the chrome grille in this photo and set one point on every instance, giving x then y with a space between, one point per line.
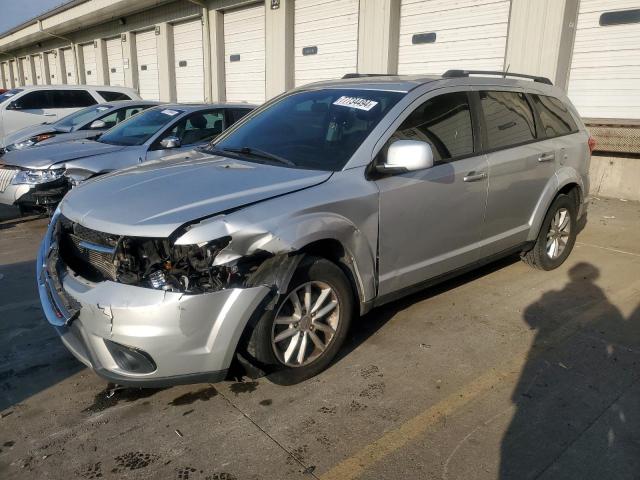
6 175
88 252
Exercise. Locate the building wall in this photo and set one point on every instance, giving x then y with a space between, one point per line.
540 38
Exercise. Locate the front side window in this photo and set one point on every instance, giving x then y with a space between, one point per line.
137 130
70 98
113 96
80 117
444 122
199 127
315 129
37 100
508 118
554 115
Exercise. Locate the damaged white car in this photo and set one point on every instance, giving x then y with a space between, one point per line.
325 202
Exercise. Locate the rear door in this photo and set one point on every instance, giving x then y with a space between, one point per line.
522 162
431 220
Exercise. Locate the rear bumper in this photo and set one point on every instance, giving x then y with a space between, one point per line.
190 338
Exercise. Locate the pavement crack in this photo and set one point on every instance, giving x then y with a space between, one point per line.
305 468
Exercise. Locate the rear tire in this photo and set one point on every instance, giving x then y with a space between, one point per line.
300 337
557 235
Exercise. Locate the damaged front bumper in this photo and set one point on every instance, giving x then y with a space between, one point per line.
139 336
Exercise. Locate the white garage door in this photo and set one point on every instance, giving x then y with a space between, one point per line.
437 35
604 81
244 58
326 39
26 71
52 62
147 55
14 73
90 65
37 65
189 63
114 61
69 66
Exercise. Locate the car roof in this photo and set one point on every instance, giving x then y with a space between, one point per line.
125 103
406 83
194 107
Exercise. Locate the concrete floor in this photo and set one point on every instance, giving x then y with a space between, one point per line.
503 373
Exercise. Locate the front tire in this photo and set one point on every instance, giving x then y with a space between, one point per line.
557 235
305 330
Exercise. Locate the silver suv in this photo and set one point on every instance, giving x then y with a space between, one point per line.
327 201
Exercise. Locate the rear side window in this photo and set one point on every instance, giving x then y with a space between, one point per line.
70 98
444 122
508 118
555 116
113 96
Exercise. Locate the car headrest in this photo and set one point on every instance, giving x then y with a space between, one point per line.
198 121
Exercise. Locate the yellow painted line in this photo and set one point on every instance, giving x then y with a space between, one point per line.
394 440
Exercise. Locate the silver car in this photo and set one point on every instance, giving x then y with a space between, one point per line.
38 178
88 123
327 201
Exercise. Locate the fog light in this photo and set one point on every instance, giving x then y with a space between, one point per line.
130 359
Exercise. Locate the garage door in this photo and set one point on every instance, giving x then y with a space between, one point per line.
37 65
326 39
52 61
90 66
26 71
147 55
439 34
14 73
189 63
114 62
6 77
604 81
244 59
69 66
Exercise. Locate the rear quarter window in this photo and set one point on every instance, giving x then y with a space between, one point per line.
554 115
508 118
113 96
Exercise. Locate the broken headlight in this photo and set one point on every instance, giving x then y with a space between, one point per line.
159 264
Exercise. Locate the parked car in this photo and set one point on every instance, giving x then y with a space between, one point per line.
32 105
38 178
87 123
327 201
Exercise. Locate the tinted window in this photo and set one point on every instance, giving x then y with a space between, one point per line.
237 113
113 96
316 129
137 130
70 98
444 122
197 128
119 115
508 117
34 100
556 118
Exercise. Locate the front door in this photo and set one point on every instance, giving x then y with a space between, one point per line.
431 220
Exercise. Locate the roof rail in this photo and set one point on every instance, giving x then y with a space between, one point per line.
360 75
466 73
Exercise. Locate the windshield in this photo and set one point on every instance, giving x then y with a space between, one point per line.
81 117
317 129
8 94
140 128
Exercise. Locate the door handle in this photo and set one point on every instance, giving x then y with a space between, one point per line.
474 177
546 157
49 114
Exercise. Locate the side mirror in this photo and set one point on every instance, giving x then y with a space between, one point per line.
407 156
97 124
170 142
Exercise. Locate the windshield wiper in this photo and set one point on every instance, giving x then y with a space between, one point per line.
254 152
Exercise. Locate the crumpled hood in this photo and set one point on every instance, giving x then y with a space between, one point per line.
48 155
154 199
28 132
